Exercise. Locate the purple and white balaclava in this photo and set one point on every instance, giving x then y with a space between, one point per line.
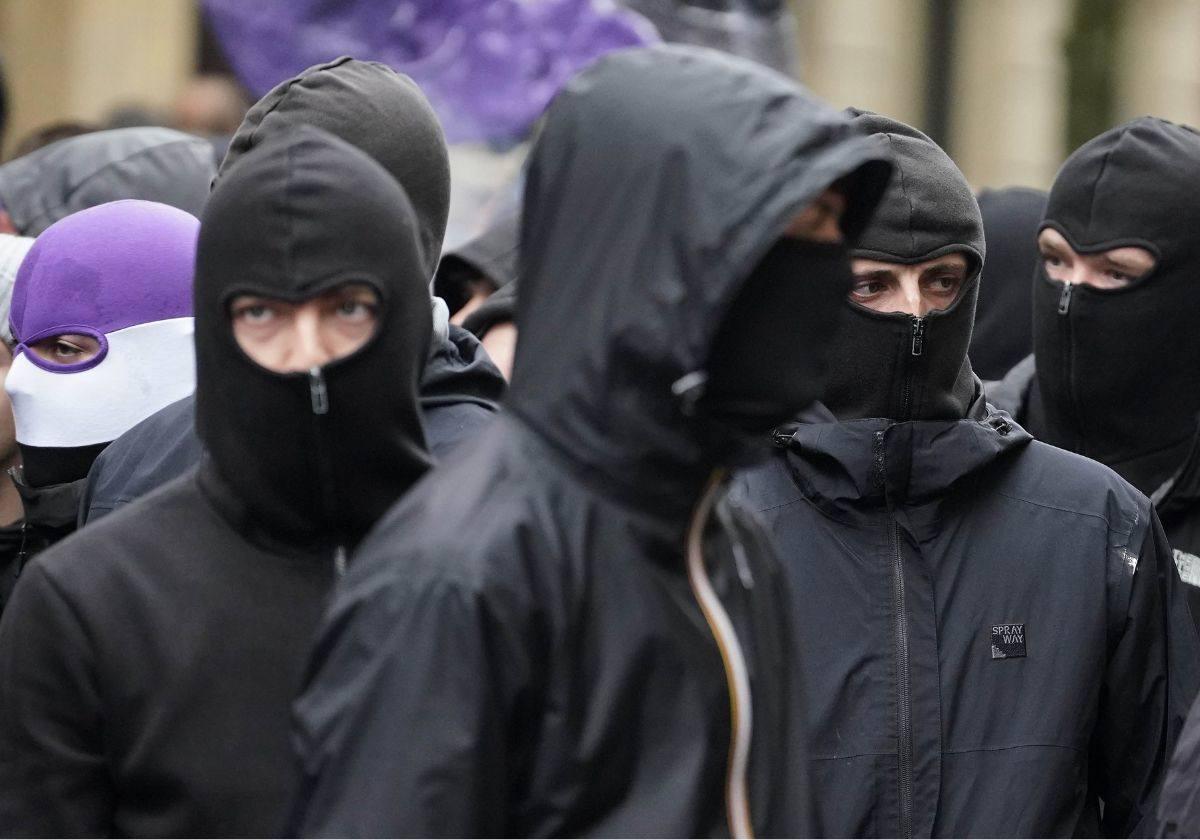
122 274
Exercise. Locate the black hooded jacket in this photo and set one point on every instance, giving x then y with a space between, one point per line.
147 663
992 636
535 662
1003 327
385 115
1115 375
154 164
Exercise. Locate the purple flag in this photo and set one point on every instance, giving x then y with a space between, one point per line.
488 66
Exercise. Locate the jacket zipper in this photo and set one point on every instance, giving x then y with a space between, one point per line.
318 393
918 336
904 749
737 676
1064 299
903 689
917 348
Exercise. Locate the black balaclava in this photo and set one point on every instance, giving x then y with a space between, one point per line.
375 109
316 457
1118 370
894 365
1003 328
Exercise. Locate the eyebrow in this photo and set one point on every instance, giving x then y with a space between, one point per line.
945 265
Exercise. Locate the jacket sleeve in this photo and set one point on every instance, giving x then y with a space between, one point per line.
54 778
1152 677
403 729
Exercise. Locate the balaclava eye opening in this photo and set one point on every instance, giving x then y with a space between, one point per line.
1117 371
121 274
313 458
895 365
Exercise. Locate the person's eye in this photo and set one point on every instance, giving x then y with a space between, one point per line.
355 310
945 284
1051 260
1120 276
66 351
254 313
868 288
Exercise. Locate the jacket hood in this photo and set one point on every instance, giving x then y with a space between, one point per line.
1003 333
894 365
844 467
120 274
153 164
375 109
1117 373
661 178
459 371
312 457
491 256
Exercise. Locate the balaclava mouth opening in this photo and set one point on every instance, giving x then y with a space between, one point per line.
121 274
895 365
1118 370
312 458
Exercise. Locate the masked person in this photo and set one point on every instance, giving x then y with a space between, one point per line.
559 658
991 633
384 114
1114 373
102 319
1003 334
147 665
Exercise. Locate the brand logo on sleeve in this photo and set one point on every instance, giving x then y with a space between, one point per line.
1008 641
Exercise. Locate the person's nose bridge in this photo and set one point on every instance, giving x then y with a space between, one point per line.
308 348
910 286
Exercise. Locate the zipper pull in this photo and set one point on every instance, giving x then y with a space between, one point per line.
339 560
1064 300
318 391
918 336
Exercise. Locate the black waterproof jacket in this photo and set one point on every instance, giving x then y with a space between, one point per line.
460 393
993 638
1177 500
517 650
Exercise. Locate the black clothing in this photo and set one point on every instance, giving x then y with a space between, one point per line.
490 257
460 393
1095 348
1177 500
499 308
146 666
153 164
346 466
913 553
45 466
757 372
147 662
534 661
1004 315
889 364
372 107
49 516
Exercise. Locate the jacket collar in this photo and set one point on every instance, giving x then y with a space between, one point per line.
846 467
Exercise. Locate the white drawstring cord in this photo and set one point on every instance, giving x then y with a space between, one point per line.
737 677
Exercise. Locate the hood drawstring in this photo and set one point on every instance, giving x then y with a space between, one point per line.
737 802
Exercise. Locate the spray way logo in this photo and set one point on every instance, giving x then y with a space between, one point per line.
1008 641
